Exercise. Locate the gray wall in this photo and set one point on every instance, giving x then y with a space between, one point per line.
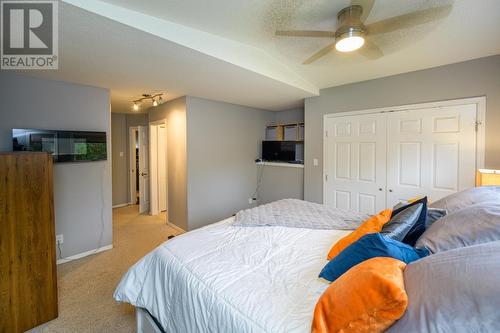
119 161
280 183
223 142
175 113
480 77
82 191
289 116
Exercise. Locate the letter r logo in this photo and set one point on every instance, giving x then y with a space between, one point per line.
27 27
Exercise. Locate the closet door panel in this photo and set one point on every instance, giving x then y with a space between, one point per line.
430 152
355 155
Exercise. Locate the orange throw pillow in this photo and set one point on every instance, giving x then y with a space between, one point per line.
372 225
369 297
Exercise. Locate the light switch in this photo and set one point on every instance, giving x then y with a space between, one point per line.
121 154
315 161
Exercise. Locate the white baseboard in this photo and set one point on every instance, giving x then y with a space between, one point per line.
84 254
121 205
170 224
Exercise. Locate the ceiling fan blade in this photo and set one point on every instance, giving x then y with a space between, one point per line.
409 20
370 50
367 7
305 33
319 54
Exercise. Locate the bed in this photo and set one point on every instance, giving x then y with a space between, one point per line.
225 278
260 272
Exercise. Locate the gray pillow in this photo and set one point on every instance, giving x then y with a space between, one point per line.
468 197
399 226
453 291
476 224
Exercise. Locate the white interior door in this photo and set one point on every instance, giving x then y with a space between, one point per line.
355 162
162 168
143 169
430 152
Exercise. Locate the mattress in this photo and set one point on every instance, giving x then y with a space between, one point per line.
224 278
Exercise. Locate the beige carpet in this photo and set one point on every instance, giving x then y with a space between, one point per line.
86 286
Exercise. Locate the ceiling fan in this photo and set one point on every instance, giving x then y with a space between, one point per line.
353 35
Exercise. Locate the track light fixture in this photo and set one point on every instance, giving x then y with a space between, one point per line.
156 99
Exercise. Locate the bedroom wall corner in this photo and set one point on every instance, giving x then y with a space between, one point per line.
174 112
223 142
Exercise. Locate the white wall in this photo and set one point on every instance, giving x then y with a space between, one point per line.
82 191
480 77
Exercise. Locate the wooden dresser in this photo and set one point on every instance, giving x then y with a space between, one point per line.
28 276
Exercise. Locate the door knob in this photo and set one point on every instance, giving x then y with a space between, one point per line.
143 174
390 190
380 189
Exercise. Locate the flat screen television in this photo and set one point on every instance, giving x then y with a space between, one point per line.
65 146
283 151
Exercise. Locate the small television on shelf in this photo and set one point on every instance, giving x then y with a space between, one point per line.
65 146
283 151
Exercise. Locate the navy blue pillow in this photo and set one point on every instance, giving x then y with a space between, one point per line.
419 227
367 247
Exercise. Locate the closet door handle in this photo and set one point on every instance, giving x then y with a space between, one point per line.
380 189
390 190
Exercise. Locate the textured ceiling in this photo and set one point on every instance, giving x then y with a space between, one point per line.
227 50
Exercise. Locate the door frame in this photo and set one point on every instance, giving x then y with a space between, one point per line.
480 120
153 166
132 164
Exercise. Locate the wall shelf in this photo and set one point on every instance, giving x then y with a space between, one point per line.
281 164
285 132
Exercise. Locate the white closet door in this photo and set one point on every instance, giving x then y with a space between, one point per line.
355 163
430 152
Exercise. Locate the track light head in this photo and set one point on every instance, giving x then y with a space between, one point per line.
136 106
155 103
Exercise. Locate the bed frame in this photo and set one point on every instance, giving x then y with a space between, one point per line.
146 323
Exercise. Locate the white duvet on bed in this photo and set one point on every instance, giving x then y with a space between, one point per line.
224 278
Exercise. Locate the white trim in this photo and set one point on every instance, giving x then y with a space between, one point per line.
279 164
153 166
461 101
121 205
170 224
84 254
480 101
153 169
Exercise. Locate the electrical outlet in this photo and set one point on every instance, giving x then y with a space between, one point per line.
59 239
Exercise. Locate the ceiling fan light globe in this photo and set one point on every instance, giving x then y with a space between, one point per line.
349 43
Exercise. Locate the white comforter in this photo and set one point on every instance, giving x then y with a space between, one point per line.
224 278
